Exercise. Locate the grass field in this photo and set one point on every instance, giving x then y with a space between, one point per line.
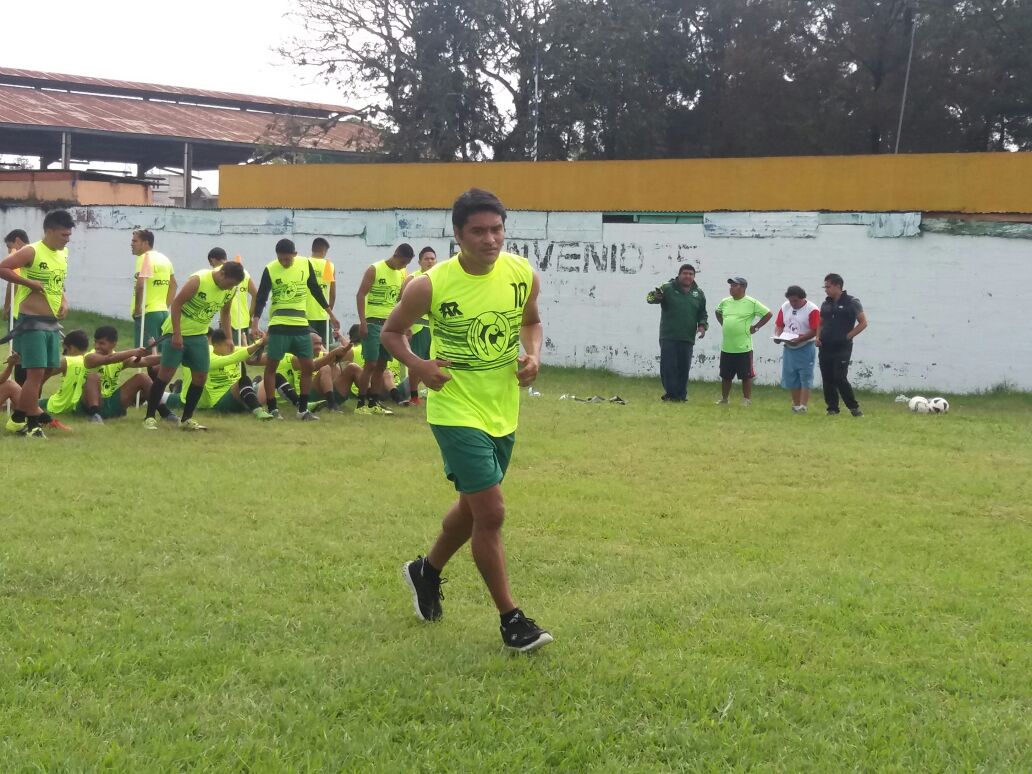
729 588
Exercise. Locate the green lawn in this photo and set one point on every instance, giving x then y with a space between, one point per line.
729 588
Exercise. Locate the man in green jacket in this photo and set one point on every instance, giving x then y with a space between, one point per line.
683 318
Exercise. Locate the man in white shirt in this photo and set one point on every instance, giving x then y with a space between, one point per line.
799 320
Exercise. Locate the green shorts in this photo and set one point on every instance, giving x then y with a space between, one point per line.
420 343
152 322
372 349
299 344
38 349
473 460
228 403
110 407
194 354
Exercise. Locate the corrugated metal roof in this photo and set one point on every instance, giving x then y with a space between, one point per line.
13 76
33 108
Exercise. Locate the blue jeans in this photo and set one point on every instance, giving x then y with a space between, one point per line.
675 360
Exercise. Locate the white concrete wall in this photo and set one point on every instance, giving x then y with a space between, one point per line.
945 312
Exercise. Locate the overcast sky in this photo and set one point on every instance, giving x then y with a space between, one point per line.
226 45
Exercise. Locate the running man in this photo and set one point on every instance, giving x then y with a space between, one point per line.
377 296
240 314
289 280
481 305
159 289
205 293
39 271
420 341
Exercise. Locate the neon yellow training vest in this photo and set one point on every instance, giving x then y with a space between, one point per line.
316 312
385 290
290 293
69 393
49 267
205 304
156 286
240 311
475 323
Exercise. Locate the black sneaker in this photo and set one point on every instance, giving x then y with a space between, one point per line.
522 634
833 412
856 412
426 593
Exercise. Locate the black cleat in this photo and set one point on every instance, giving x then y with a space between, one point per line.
856 412
523 635
426 592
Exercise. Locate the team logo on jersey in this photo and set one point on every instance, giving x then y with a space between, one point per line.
488 335
450 309
201 294
382 281
43 265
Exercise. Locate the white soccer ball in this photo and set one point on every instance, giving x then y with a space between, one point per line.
939 405
916 402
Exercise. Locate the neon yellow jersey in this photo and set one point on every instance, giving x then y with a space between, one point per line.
50 267
156 286
15 301
240 311
356 351
69 393
475 322
109 375
422 322
324 273
205 304
384 293
289 295
291 374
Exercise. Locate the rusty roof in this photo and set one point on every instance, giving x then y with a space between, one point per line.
147 124
15 77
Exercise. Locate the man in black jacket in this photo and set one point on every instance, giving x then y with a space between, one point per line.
842 320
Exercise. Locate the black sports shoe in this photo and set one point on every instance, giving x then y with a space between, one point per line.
833 412
426 592
856 412
522 634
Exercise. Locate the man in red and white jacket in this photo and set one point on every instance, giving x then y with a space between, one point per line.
796 325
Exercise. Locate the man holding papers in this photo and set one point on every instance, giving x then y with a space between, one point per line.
796 326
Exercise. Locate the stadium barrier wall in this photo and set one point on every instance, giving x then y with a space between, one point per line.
945 311
932 182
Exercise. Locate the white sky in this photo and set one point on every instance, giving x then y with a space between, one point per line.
224 45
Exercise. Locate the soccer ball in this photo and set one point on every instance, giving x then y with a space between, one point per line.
939 405
919 404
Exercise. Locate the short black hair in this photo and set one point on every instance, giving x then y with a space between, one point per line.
285 247
217 254
233 270
405 251
794 291
686 267
16 234
106 333
58 219
217 336
473 201
146 235
77 339
353 332
835 279
427 249
319 243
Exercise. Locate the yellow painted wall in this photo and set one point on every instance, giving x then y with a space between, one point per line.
948 182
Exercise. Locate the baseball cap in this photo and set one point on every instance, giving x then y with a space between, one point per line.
738 281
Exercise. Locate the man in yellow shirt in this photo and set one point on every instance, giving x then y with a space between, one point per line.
240 313
482 306
378 294
151 295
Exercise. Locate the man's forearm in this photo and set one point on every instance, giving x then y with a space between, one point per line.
530 337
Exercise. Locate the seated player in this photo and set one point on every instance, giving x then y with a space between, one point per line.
228 388
339 380
68 396
390 384
102 395
9 388
288 373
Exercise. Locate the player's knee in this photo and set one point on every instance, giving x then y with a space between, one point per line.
490 517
